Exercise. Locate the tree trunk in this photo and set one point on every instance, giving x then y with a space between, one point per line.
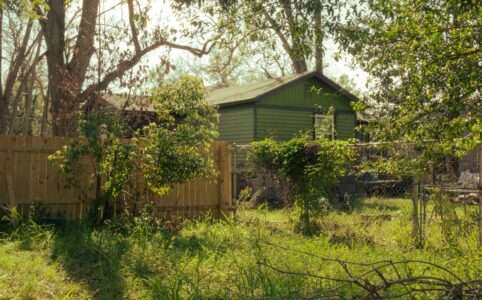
3 104
65 80
3 115
45 108
318 40
65 114
295 52
299 65
29 107
54 32
62 88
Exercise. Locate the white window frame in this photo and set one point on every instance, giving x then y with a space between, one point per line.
324 118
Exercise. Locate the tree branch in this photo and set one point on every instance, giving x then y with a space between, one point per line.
277 29
17 62
84 47
132 24
126 65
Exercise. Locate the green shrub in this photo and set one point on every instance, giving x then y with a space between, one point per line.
245 194
311 168
177 149
173 150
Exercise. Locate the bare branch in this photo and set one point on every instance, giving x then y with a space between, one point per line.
126 65
17 62
277 29
132 24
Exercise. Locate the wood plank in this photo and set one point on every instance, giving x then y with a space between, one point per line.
480 195
32 177
22 174
3 178
30 169
11 193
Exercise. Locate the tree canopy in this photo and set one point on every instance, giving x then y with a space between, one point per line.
425 58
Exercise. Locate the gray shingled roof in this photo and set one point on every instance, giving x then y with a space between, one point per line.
251 91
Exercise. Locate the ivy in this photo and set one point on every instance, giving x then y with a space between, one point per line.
311 167
173 150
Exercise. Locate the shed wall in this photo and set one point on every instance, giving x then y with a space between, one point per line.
236 124
289 110
345 125
282 123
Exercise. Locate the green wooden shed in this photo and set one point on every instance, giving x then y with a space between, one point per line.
283 107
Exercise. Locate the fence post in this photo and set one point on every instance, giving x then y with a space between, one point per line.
11 194
418 220
234 171
10 167
224 161
229 177
219 153
480 195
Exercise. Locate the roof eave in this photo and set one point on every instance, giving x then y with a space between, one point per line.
319 76
237 102
315 74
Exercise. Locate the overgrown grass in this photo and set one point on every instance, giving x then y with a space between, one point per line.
253 255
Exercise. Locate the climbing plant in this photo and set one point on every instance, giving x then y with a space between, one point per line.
171 150
176 149
311 167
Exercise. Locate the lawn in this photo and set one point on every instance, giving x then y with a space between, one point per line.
254 255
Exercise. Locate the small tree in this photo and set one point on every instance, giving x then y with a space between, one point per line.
176 150
311 167
112 159
173 150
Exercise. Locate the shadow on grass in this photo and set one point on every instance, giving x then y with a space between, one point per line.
94 261
163 273
386 205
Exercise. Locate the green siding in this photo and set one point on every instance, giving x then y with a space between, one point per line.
345 124
281 123
289 110
317 94
236 124
285 112
307 94
289 95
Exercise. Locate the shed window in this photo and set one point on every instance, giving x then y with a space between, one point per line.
324 125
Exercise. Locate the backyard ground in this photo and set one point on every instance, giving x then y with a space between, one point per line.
253 255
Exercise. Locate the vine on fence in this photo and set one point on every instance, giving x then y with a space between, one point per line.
311 168
172 150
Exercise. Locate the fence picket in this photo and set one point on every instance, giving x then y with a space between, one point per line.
27 176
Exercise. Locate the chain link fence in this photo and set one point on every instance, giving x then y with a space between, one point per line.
373 183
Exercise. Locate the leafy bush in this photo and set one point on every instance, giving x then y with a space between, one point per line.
177 149
245 194
311 167
172 150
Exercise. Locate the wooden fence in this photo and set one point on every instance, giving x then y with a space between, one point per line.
28 177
